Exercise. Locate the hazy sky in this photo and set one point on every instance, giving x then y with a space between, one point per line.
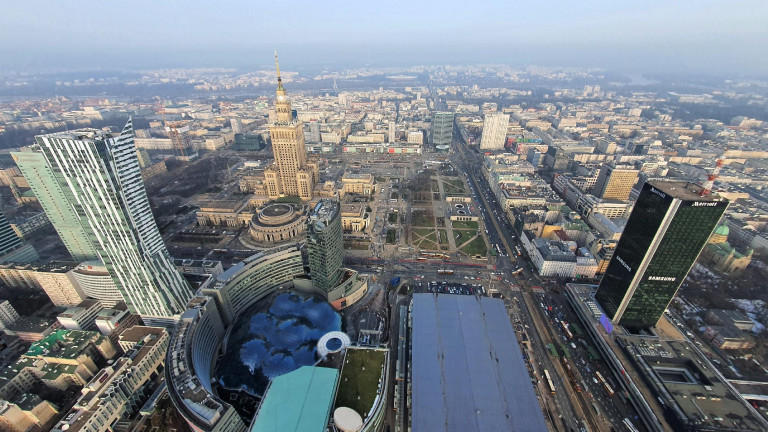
675 35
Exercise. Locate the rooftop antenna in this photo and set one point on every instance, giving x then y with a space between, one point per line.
277 66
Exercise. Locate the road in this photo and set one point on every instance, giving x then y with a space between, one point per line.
572 406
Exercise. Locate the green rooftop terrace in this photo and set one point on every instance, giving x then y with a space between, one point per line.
359 382
66 344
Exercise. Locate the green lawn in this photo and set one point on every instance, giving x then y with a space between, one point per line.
391 236
462 236
422 231
453 187
360 379
476 247
426 244
420 218
464 225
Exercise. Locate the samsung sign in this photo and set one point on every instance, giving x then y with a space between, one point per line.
626 266
662 278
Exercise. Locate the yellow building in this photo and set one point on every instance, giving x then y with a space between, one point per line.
722 255
290 174
615 182
353 217
360 184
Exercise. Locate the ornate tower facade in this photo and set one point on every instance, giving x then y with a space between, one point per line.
290 174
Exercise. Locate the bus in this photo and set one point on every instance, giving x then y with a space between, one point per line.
630 426
498 250
550 384
517 249
571 377
565 329
445 271
604 383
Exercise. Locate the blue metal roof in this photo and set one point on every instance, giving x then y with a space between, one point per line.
467 368
299 401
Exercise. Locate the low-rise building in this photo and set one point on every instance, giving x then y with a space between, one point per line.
119 390
27 413
360 184
8 314
80 317
234 213
63 359
551 258
354 217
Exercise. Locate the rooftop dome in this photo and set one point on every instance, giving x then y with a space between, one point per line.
722 230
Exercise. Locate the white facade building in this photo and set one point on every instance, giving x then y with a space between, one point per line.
494 131
101 178
8 314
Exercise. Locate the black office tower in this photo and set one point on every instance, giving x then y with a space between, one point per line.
665 233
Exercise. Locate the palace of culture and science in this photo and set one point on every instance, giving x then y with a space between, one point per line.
290 174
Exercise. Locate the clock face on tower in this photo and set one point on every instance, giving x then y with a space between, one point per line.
281 98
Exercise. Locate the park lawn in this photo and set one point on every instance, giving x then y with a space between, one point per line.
476 247
426 244
423 231
359 381
420 218
462 236
464 225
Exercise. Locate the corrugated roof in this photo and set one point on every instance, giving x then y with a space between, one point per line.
468 370
298 401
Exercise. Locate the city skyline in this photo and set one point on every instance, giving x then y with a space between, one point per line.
576 246
704 37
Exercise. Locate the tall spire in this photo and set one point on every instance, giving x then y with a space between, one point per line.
279 80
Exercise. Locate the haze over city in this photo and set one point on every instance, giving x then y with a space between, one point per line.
701 37
384 216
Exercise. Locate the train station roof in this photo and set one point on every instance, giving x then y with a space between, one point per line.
467 368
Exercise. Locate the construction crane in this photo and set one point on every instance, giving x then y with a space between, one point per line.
706 188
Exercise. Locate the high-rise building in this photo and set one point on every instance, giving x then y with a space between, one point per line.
52 199
325 245
391 132
615 182
667 229
290 174
442 128
494 131
12 248
99 175
8 314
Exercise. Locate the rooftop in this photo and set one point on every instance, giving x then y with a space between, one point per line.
670 372
683 190
298 401
464 348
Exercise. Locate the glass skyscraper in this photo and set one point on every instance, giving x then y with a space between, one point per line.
442 128
99 176
665 233
325 245
50 194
